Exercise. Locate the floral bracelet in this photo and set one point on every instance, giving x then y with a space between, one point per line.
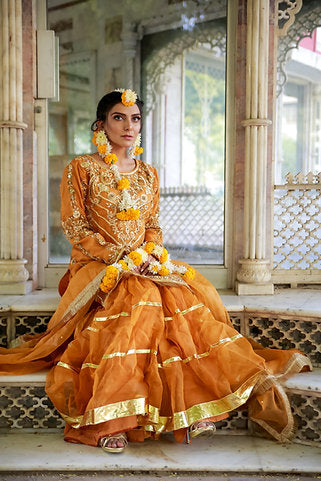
162 265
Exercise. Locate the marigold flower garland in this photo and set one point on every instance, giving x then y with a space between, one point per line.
128 209
162 265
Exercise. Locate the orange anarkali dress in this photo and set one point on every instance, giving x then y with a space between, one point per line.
157 353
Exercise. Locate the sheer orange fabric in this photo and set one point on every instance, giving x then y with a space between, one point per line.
156 354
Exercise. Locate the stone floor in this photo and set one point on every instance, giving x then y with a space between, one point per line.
33 452
153 477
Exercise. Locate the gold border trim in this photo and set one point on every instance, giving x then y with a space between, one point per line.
66 366
113 316
203 354
147 303
186 311
179 420
119 354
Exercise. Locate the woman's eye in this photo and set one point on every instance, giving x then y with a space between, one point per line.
117 117
136 119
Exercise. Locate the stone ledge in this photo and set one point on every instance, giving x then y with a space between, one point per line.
306 302
228 454
303 381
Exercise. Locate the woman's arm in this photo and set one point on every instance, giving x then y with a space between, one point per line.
153 231
74 187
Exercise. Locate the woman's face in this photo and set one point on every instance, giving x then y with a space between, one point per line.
122 125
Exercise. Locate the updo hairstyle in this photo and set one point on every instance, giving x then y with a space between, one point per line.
107 102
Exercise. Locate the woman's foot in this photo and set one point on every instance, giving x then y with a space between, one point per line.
202 429
115 443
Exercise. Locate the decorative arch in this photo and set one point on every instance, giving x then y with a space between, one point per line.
306 21
156 63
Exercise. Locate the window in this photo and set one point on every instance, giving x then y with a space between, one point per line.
179 68
298 138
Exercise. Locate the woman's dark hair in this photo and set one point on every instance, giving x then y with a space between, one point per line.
107 102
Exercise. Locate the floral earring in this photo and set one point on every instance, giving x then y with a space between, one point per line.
102 143
135 149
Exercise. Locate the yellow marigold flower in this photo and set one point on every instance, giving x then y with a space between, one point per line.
102 148
123 184
163 258
124 265
104 288
155 269
128 97
109 278
149 247
189 273
111 272
122 215
107 286
128 214
138 150
111 159
163 271
136 257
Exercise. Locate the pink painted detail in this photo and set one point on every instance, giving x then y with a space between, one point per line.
309 42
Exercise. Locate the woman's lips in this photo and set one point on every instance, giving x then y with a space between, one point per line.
127 137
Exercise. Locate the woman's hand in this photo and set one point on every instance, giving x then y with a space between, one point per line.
143 268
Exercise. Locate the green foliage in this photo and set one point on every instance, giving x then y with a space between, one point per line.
205 122
289 154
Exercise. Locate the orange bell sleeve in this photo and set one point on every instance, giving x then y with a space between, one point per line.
77 229
153 231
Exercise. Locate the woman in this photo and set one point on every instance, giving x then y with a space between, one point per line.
141 345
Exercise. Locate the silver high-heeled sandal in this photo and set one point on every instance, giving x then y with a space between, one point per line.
118 437
195 430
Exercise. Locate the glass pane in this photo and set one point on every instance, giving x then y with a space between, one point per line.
188 105
179 69
298 135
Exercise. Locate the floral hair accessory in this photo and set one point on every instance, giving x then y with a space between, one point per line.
161 266
128 97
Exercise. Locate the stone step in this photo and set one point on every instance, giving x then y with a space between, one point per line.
25 405
45 453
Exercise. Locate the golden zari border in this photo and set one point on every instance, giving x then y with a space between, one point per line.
147 303
199 356
119 354
186 311
66 366
113 316
151 416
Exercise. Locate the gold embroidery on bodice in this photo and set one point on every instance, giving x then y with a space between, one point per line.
103 198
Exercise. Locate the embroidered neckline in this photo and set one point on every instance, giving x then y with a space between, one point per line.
108 168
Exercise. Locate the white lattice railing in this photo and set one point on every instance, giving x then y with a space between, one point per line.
297 230
193 223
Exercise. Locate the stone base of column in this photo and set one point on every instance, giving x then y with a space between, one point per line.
254 289
254 278
14 277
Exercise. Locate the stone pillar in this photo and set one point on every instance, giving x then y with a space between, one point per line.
129 38
254 274
13 274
